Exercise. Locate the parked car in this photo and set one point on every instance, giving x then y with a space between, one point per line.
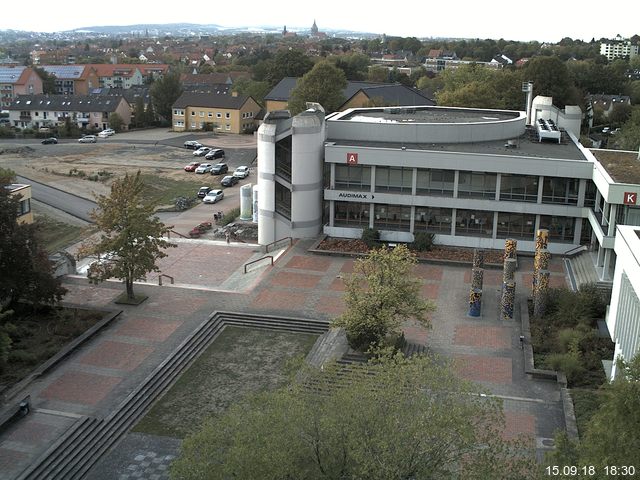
214 154
50 140
203 191
192 144
88 139
191 167
204 168
213 196
202 151
219 169
241 172
229 181
107 132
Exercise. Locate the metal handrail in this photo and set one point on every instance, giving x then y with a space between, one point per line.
574 250
266 248
177 233
164 275
259 259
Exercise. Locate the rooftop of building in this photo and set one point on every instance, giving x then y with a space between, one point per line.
426 114
622 166
523 146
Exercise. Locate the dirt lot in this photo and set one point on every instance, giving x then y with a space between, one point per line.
70 165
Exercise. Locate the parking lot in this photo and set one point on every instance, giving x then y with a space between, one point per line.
69 164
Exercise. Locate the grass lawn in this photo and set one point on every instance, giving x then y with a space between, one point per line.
36 337
164 191
238 362
57 235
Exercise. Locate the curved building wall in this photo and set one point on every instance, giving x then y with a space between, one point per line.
266 183
483 126
307 174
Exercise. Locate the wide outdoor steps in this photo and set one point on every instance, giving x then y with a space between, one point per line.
584 272
74 454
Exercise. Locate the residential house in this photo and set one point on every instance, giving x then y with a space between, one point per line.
86 111
606 103
619 48
501 60
386 95
23 192
73 79
356 94
16 81
211 111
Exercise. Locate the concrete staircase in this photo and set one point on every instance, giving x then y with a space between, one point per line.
582 271
76 452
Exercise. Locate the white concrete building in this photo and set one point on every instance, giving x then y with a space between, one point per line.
619 48
472 177
623 317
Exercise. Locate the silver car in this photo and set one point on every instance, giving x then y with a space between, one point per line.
88 139
213 196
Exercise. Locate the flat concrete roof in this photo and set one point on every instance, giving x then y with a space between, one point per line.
427 115
524 147
622 166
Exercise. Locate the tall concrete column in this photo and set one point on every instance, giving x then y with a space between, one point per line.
613 211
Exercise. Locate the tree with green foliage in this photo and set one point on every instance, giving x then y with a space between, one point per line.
149 115
286 63
391 418
48 81
26 274
116 122
165 92
130 236
252 88
138 112
355 66
324 84
551 78
380 295
611 435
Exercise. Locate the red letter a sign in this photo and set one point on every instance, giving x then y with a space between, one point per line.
352 158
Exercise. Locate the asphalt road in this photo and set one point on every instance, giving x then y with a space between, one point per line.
67 202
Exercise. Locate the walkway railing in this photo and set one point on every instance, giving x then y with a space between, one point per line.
272 244
258 260
169 232
164 275
573 251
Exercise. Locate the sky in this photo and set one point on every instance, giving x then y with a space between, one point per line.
544 21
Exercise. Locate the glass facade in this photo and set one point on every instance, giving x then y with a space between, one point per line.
392 217
394 179
560 190
351 214
283 158
475 223
516 225
283 201
435 182
356 177
477 185
561 229
436 220
519 188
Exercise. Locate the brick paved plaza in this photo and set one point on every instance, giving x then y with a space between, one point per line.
96 378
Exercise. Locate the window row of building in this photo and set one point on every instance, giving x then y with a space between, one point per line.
462 184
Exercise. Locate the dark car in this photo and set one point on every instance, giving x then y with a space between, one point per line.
203 191
192 144
214 154
50 140
229 181
219 169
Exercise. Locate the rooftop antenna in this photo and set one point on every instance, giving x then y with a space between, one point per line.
527 87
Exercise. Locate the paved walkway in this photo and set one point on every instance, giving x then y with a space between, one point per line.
95 379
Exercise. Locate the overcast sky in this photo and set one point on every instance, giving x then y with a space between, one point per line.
547 20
